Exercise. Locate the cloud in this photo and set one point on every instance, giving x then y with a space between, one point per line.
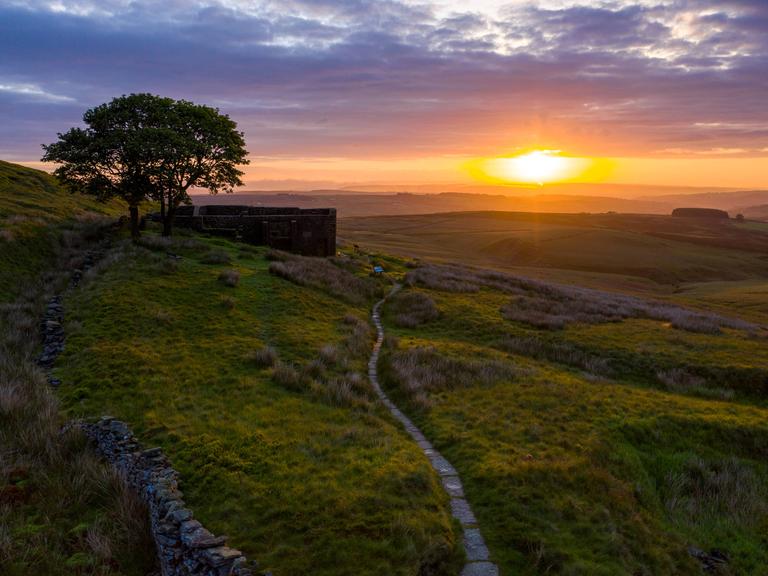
365 78
32 91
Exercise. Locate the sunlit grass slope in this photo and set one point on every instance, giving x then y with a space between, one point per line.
33 209
640 252
600 448
305 474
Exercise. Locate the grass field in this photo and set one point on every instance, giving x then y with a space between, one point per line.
572 471
595 434
617 251
283 451
747 298
34 214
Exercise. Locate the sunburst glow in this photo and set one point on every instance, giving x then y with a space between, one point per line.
536 167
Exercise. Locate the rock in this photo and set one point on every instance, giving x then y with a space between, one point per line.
179 516
220 555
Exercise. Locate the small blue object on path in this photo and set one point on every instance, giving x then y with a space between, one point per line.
478 556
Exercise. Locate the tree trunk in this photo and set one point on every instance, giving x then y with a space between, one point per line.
170 213
162 207
134 211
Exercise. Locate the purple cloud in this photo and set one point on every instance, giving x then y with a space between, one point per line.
385 78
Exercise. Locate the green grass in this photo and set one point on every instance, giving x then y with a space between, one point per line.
34 211
299 482
747 298
573 473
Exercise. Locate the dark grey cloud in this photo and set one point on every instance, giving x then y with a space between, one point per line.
382 77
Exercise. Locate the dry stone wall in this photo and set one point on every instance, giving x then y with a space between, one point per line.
184 546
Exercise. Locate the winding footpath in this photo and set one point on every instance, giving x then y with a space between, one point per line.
478 557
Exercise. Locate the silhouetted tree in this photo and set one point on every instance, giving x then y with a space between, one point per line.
739 217
144 146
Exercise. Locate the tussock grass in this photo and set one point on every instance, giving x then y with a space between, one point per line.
727 490
419 373
229 277
683 381
322 274
560 352
412 309
264 357
331 376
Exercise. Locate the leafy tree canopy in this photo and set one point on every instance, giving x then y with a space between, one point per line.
143 146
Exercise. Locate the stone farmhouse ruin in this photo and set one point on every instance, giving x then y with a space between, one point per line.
310 232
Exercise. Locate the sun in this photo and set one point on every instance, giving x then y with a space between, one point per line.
535 167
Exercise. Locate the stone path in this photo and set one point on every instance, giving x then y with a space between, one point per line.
478 557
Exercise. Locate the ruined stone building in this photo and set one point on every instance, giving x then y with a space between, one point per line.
311 232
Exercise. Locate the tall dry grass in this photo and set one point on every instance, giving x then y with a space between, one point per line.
334 376
322 274
412 309
418 373
62 510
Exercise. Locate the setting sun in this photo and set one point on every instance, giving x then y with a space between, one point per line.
537 167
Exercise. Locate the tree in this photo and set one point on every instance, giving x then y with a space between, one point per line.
109 157
197 147
144 146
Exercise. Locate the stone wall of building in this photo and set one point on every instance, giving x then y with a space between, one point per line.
311 232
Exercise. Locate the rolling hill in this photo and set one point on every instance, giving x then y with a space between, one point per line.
34 213
595 432
664 250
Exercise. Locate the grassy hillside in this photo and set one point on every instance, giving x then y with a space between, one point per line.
590 445
252 382
34 210
613 250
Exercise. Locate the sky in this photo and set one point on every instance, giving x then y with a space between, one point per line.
334 92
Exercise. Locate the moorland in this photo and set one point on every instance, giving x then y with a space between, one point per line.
598 381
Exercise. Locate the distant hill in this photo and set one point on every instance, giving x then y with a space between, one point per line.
362 204
732 202
429 200
755 212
